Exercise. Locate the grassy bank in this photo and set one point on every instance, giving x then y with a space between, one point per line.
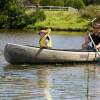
63 20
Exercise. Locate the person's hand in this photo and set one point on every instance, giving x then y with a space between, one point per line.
98 46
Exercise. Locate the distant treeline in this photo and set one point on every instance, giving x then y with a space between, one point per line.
72 3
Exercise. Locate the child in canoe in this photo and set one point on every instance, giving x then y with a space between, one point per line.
45 39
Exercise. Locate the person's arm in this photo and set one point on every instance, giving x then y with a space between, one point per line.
49 30
86 41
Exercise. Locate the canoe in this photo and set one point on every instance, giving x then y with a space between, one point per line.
21 54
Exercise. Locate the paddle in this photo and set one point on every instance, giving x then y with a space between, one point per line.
93 21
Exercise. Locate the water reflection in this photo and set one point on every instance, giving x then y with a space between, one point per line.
93 91
46 82
29 82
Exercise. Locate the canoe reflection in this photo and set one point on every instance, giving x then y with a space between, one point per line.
45 81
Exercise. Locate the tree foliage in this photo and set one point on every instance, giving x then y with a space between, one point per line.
60 2
13 14
74 3
91 2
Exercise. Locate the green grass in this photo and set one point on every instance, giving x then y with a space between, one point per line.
63 20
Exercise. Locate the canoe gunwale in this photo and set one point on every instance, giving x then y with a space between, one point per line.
73 50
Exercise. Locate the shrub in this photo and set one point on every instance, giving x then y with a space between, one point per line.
75 3
52 2
39 15
16 17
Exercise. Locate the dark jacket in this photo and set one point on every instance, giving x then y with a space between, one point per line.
96 39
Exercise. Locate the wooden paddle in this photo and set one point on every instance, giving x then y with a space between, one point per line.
93 21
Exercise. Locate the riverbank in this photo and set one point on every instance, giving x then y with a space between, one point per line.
60 21
63 21
32 31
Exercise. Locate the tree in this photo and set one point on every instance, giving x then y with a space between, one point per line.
57 3
32 2
52 2
85 2
45 2
89 2
75 3
13 14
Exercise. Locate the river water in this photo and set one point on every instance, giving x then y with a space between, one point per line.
47 82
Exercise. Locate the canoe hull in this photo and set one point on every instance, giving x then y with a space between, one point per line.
19 54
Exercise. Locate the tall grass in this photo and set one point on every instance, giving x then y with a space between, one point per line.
63 20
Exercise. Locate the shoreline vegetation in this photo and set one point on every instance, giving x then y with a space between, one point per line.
68 20
32 31
63 21
15 15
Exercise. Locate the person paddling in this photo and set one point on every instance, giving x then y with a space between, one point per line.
45 39
95 37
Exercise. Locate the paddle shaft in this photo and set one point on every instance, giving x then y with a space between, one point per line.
93 21
94 44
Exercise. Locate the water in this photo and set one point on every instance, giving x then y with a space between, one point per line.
47 82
